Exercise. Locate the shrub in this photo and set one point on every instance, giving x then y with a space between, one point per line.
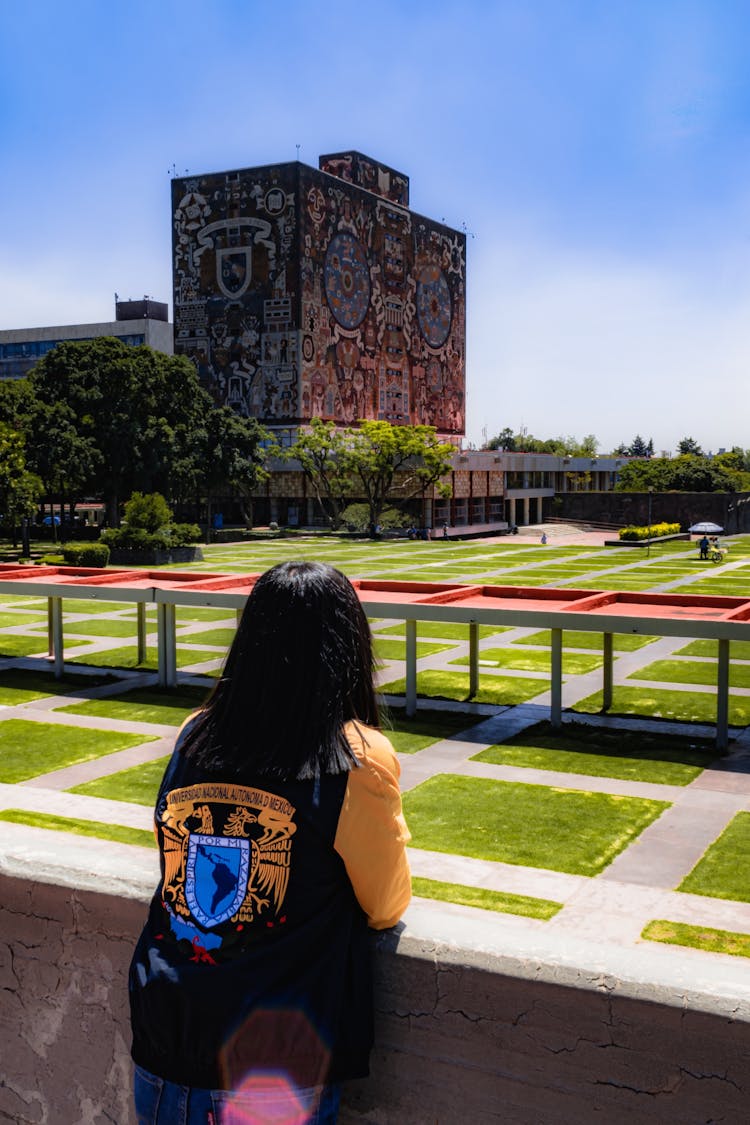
655 531
86 554
148 511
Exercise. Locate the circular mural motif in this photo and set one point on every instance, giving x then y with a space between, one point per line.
347 280
433 306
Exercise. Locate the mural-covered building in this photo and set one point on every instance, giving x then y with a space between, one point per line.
303 292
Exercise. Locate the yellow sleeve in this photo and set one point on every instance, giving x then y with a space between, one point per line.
372 835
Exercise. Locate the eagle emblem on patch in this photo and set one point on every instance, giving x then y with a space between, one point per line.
227 851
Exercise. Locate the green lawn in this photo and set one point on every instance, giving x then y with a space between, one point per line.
34 619
500 901
425 728
144 705
106 627
14 644
657 703
532 825
691 672
17 685
118 832
724 869
138 785
738 650
222 638
389 648
443 630
507 690
698 937
582 749
28 749
128 658
573 638
574 663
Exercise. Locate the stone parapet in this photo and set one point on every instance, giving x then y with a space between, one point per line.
477 1020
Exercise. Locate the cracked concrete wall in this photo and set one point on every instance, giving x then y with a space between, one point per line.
460 1036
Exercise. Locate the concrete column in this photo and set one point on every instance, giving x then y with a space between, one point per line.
473 659
310 511
607 673
428 512
512 511
141 610
167 645
411 668
273 505
540 509
525 519
56 619
722 698
556 679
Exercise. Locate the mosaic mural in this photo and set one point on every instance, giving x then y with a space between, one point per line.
299 293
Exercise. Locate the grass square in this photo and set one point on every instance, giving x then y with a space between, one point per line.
222 638
658 703
501 901
120 833
28 749
409 735
17 685
144 705
574 663
137 785
691 672
575 638
506 691
706 938
128 658
724 869
15 644
390 648
532 825
104 627
444 630
738 650
579 748
9 619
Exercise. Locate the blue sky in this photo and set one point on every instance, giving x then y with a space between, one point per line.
597 154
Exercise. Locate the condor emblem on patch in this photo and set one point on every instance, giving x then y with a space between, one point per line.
216 877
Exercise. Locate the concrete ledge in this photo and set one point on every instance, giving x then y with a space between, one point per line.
481 1017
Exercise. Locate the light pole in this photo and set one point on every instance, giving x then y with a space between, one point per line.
648 545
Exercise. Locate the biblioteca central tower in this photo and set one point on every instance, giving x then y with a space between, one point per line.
303 292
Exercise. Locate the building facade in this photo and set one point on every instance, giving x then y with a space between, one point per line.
136 322
303 292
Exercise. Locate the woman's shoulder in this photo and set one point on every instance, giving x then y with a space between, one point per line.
371 747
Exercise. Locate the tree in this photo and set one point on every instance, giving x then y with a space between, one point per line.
397 462
19 489
637 448
323 454
504 440
689 445
230 454
682 474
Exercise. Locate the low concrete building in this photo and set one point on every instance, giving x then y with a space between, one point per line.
491 491
136 322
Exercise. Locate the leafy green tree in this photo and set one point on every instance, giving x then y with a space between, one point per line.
504 440
150 512
322 451
230 456
682 474
19 489
689 445
396 462
637 448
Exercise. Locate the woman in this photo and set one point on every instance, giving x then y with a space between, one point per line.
281 839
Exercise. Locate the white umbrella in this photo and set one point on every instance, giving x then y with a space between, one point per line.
705 528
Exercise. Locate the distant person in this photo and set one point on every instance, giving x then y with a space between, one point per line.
281 840
544 538
445 531
703 544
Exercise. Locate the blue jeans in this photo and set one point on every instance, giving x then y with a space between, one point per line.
158 1102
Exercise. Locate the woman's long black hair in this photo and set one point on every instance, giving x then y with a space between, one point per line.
300 667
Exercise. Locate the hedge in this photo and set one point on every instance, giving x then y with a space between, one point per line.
86 554
655 531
